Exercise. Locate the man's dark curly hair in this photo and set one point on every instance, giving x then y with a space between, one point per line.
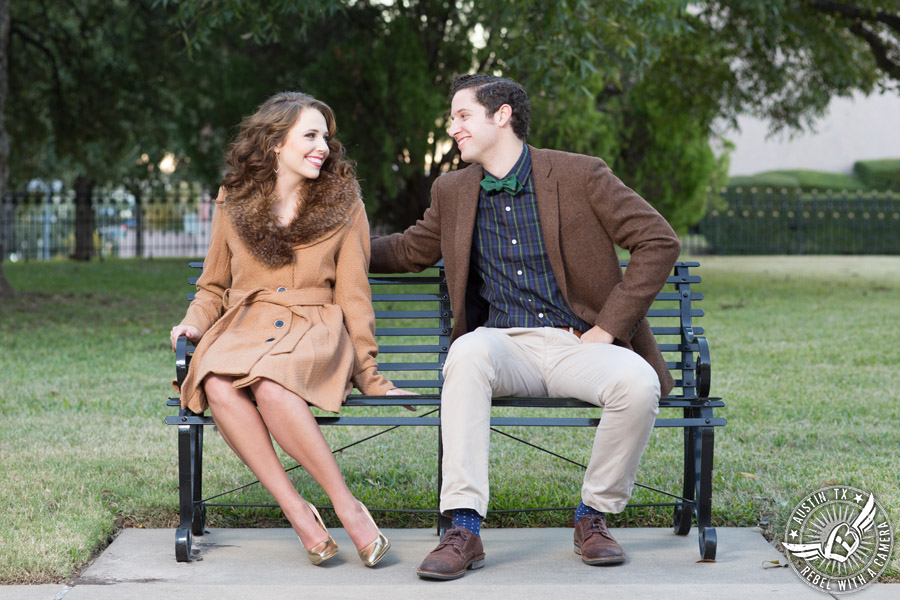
493 92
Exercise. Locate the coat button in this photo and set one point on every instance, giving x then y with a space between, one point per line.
281 289
279 324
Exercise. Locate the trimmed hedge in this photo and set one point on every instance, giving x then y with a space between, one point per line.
879 174
803 179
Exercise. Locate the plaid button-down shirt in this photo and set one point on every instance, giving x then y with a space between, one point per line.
509 255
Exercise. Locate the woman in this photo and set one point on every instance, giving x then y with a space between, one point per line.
283 317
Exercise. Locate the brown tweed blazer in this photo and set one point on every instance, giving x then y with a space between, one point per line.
585 211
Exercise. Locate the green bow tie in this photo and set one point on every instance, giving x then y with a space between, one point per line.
508 183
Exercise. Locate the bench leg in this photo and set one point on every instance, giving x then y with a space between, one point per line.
198 520
189 447
443 523
684 513
707 537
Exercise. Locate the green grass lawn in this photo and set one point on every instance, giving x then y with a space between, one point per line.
804 353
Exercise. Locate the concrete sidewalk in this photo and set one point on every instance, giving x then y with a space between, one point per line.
520 563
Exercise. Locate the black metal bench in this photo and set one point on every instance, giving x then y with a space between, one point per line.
413 323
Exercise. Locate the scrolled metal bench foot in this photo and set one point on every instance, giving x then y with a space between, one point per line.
198 523
183 540
708 543
683 519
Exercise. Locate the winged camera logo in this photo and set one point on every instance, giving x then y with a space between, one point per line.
839 539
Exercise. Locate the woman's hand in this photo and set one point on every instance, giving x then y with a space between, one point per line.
190 331
399 392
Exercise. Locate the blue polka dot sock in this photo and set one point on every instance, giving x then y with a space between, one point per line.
468 518
583 510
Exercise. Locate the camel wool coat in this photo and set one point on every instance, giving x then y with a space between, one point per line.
584 211
289 304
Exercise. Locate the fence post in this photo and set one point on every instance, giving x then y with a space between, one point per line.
138 222
84 218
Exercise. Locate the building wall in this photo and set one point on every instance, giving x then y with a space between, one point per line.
858 128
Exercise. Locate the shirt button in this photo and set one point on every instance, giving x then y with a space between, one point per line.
519 272
279 324
514 242
508 209
540 315
281 289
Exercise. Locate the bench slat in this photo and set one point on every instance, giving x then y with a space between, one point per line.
695 296
417 383
593 422
410 366
426 349
692 347
672 312
495 421
429 400
406 297
398 331
395 280
672 330
408 314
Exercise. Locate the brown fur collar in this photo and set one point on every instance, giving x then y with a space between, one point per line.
328 206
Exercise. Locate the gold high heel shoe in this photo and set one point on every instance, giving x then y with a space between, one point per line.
375 551
324 549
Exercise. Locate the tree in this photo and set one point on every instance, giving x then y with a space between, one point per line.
665 123
101 83
382 68
781 60
91 95
788 59
385 68
641 84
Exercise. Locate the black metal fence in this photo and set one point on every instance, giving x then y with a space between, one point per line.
171 220
798 222
175 220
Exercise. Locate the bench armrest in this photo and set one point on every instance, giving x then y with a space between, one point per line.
703 367
181 359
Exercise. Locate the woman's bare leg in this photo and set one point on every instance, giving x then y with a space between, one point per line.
294 427
243 429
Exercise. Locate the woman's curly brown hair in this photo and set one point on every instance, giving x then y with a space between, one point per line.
251 161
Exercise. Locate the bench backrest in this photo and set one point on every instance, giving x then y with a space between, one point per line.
413 323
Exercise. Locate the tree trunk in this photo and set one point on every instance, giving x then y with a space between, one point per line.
84 218
5 289
417 196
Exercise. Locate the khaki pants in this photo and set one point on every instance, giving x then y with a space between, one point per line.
544 362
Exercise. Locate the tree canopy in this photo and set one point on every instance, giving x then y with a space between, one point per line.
102 88
641 84
91 86
385 68
92 99
787 59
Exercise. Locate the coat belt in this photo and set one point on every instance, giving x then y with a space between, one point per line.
287 298
234 300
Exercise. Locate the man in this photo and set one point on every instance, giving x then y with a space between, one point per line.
540 307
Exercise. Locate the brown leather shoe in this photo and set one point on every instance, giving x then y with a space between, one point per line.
459 550
594 542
